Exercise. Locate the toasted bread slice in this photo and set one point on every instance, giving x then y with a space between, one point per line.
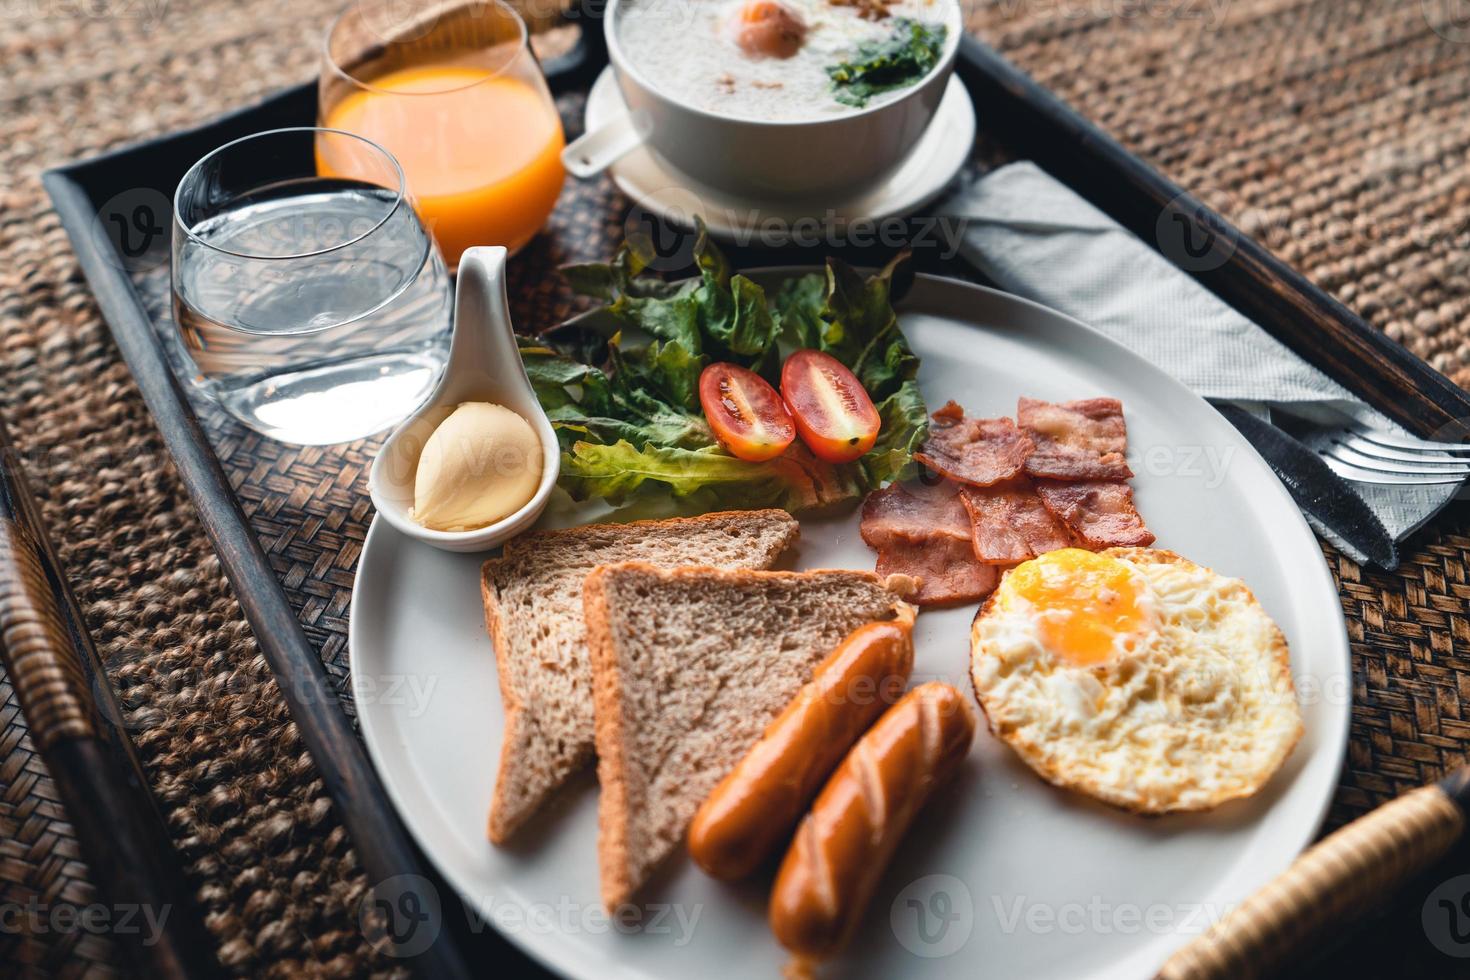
533 609
690 665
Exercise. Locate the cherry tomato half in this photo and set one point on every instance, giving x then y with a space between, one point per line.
745 412
834 415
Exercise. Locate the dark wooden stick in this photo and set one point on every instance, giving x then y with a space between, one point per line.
1218 255
76 725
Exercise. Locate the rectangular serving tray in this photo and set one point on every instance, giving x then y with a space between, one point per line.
116 209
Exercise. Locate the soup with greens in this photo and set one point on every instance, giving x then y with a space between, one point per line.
785 59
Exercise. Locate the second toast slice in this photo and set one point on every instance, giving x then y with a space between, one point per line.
533 609
689 667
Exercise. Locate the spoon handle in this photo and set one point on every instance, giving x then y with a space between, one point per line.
484 359
591 153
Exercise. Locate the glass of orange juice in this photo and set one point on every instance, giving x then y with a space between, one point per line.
455 93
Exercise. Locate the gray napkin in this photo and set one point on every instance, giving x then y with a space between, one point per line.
1035 237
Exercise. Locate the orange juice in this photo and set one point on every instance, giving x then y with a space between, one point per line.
481 151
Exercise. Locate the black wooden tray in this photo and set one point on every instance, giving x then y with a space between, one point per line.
116 209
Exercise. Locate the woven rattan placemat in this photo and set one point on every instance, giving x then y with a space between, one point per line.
1336 131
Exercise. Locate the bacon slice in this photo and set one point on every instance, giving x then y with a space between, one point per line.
1081 440
914 511
1009 523
975 451
945 567
923 530
1099 512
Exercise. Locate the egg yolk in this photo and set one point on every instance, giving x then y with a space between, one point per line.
769 29
1084 601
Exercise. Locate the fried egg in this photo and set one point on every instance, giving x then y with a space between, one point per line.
1137 677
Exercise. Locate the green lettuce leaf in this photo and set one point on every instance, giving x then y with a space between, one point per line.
799 303
732 309
905 424
861 328
652 397
624 396
908 54
794 481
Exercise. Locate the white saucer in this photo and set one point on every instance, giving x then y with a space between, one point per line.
673 196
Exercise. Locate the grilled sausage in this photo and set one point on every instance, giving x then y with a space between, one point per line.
843 845
752 811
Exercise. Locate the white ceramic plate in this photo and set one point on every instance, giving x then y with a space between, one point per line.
670 194
1002 876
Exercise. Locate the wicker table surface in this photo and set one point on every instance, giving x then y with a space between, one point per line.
1335 131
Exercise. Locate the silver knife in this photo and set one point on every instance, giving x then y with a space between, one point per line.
1316 489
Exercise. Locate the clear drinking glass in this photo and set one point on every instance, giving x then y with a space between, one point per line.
313 309
453 90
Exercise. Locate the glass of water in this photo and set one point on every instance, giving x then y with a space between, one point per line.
313 309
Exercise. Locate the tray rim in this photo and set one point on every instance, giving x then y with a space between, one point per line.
388 853
999 90
357 794
1250 278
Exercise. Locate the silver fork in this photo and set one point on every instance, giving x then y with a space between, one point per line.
1356 452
